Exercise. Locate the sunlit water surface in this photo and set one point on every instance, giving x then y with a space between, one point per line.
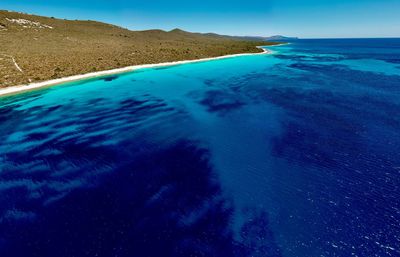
295 154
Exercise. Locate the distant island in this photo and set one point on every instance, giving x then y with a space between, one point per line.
36 48
281 38
277 38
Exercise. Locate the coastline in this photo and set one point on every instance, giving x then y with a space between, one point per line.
27 87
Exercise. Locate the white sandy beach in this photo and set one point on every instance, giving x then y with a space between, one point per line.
22 88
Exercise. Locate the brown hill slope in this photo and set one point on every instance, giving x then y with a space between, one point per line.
35 48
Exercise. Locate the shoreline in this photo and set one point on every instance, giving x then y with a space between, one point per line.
27 87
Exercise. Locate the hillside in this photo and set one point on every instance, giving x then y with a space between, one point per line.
35 48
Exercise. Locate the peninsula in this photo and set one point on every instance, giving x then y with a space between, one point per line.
37 49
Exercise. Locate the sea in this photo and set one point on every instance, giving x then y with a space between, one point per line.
291 154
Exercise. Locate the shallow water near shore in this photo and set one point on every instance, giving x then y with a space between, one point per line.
291 154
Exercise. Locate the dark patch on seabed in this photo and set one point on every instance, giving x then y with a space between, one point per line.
110 78
149 206
221 101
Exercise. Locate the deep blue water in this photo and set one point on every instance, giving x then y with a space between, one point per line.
295 154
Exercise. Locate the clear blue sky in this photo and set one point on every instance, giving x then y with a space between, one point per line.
302 18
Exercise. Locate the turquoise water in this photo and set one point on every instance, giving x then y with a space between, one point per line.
291 154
